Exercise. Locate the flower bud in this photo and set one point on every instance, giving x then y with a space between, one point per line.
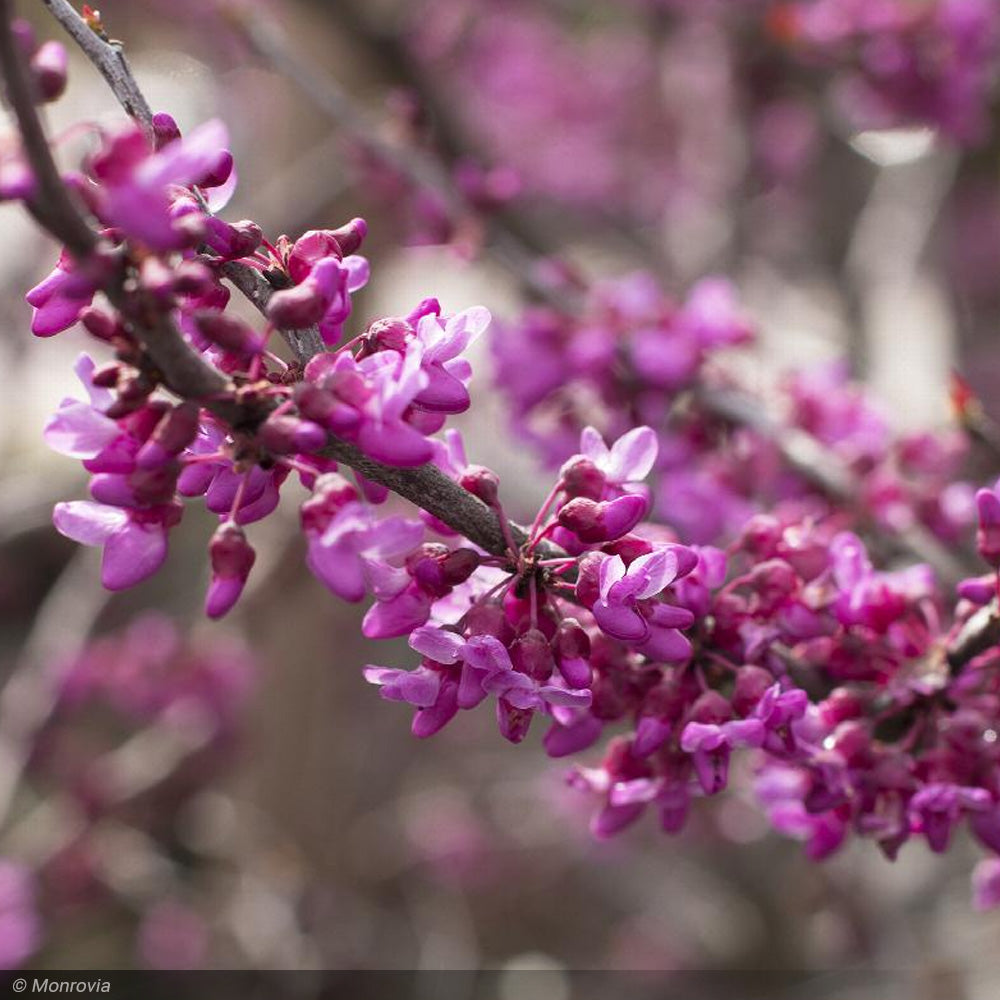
165 129
349 237
50 69
219 172
481 482
459 565
284 435
232 240
228 332
531 654
232 559
601 522
581 478
175 431
572 653
751 683
988 535
101 323
106 377
298 307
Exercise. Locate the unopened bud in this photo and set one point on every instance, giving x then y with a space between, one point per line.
283 435
228 332
165 129
232 558
481 482
581 478
50 69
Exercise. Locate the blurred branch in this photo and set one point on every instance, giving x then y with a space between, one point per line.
29 697
50 204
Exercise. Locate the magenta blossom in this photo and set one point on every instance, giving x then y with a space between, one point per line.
626 611
134 541
136 182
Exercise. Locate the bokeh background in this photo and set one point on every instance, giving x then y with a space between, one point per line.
243 799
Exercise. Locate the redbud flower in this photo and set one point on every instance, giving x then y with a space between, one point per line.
232 559
134 541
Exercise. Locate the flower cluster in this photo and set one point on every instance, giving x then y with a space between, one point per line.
385 391
928 63
732 602
636 355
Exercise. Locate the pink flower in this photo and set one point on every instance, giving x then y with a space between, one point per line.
624 610
134 541
136 182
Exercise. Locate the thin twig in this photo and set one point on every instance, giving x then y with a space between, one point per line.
30 694
109 58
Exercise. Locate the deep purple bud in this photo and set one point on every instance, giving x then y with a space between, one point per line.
513 722
232 240
481 482
193 278
459 565
50 69
751 683
101 323
218 173
988 535
489 619
710 708
349 237
581 478
531 654
294 308
629 547
175 431
588 579
572 653
602 522
165 129
283 435
106 377
232 559
157 485
228 332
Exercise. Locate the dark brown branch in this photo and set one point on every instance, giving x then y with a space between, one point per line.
980 633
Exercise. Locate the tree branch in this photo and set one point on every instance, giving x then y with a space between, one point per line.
51 204
109 58
305 343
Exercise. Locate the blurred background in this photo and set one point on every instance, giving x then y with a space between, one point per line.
186 795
